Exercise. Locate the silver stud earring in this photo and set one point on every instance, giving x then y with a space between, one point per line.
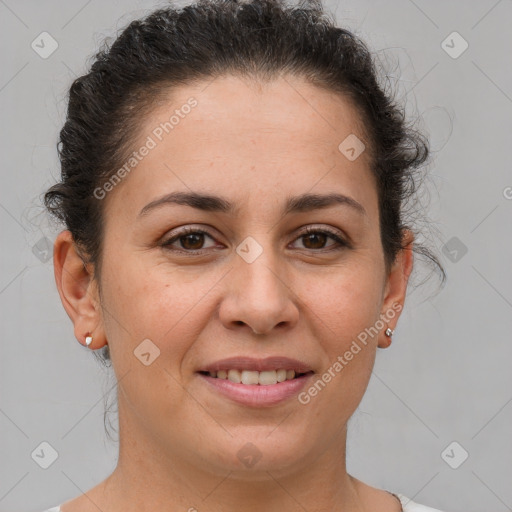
88 340
389 332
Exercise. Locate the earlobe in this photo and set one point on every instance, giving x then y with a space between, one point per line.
396 288
77 289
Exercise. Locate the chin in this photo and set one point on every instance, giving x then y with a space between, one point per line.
252 456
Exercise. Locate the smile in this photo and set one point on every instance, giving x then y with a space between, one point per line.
255 378
256 382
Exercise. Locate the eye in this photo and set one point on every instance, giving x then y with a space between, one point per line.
191 240
315 239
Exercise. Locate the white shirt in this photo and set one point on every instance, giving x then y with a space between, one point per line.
407 505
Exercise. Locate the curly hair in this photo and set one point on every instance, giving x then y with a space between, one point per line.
255 39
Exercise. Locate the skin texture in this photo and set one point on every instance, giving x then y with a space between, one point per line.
255 145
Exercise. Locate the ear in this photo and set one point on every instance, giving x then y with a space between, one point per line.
78 290
396 287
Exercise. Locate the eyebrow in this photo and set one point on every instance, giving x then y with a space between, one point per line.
210 203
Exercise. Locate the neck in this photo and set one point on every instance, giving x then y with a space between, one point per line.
148 477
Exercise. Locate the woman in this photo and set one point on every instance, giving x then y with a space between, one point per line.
233 179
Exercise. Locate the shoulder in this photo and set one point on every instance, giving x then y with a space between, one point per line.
410 506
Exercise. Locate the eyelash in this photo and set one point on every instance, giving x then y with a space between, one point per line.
340 243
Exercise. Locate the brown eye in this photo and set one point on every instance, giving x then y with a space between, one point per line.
315 239
191 239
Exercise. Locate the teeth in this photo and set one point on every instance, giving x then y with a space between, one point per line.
253 377
234 376
250 377
267 378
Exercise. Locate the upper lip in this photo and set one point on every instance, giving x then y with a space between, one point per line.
260 365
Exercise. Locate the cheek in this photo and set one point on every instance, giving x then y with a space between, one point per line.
343 309
159 303
342 314
345 303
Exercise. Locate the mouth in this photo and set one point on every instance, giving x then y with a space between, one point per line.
256 382
256 378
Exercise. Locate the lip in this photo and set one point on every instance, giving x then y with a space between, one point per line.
257 395
260 365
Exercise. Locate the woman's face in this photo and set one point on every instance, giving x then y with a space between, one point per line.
256 288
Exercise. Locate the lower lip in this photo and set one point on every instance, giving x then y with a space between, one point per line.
256 395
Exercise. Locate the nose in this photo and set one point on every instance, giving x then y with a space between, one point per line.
259 297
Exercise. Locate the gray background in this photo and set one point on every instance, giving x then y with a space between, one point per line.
447 375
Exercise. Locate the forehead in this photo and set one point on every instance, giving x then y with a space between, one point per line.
243 137
239 106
